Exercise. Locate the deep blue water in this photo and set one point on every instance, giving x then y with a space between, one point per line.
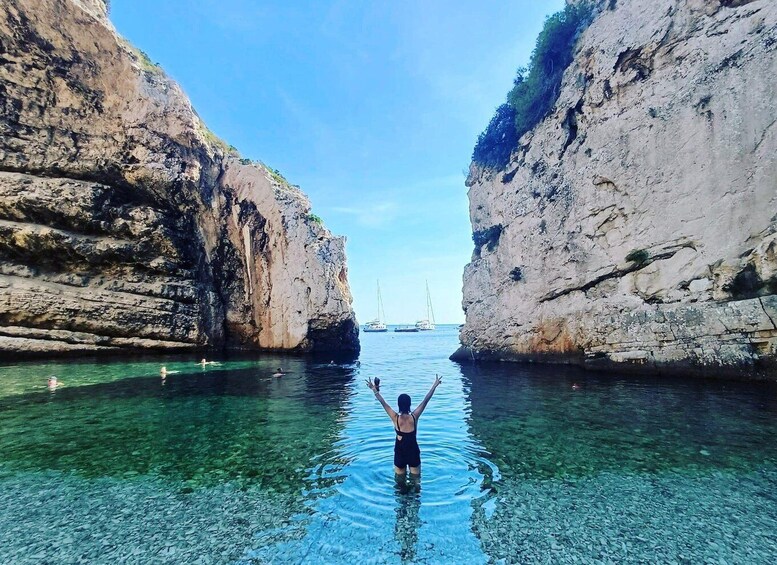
521 464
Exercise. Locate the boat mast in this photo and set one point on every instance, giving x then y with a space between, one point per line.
429 309
381 313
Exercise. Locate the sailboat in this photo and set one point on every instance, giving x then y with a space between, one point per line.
428 323
377 325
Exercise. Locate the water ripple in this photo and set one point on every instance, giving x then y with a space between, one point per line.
353 496
543 463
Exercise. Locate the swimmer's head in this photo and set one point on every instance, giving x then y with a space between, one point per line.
404 404
203 362
52 380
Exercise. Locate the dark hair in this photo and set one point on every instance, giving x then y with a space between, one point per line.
404 404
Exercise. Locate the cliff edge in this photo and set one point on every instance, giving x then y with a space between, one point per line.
636 224
126 224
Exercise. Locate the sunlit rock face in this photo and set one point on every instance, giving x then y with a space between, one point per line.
125 223
636 226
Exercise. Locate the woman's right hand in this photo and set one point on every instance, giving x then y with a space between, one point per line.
371 385
437 381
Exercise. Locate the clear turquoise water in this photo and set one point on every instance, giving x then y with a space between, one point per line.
227 464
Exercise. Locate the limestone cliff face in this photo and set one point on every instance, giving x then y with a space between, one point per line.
637 223
124 223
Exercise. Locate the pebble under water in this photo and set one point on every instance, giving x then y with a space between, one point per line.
521 464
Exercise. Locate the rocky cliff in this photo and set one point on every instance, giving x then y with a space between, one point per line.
636 224
125 223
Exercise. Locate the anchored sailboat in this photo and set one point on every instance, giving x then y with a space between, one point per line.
377 325
428 323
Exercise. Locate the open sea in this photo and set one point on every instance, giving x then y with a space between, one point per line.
521 464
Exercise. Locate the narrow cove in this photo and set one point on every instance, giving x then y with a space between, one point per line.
229 464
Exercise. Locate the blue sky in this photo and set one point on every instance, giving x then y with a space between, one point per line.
373 108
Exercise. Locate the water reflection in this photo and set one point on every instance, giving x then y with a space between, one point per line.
544 422
361 515
520 464
602 468
200 425
408 522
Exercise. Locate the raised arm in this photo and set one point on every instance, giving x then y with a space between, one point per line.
386 407
420 408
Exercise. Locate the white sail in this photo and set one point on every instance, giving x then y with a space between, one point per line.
378 324
428 323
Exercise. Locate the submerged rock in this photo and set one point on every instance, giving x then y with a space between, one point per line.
635 225
125 223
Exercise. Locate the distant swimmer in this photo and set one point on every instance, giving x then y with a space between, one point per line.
204 362
163 371
279 373
54 383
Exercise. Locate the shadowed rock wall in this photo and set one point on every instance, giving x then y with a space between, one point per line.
125 223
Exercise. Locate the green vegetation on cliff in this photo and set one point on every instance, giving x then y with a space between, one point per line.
536 87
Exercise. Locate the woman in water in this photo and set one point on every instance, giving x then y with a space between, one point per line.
406 450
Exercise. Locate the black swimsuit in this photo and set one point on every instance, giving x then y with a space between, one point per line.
406 450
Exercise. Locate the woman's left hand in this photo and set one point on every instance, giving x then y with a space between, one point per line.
371 385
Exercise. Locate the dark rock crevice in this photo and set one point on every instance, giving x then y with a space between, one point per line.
634 60
570 125
614 273
488 237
